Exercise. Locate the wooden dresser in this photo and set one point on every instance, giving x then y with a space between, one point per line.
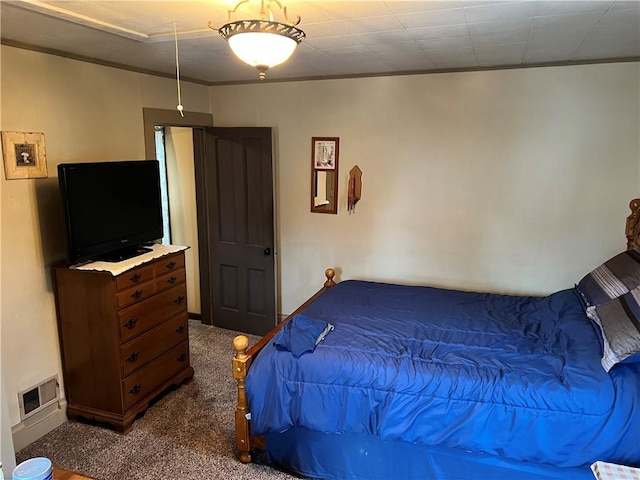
124 338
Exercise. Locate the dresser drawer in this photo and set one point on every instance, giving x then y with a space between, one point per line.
145 380
170 279
168 264
146 347
134 277
135 294
140 317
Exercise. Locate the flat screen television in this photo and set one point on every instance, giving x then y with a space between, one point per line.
111 209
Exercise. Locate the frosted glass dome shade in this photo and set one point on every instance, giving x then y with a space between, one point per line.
261 48
261 44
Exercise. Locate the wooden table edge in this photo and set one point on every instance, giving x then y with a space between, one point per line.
62 474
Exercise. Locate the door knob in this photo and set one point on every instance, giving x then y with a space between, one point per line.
267 251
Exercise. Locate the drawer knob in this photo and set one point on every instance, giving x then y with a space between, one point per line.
135 278
130 323
171 265
182 357
133 357
137 294
179 299
181 329
136 388
172 280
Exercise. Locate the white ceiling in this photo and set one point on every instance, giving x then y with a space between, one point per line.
344 38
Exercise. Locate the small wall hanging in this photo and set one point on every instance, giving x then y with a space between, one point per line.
355 188
24 155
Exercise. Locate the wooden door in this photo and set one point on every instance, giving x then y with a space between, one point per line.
235 204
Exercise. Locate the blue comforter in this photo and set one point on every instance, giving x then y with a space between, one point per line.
518 377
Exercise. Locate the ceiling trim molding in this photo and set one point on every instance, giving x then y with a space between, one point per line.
427 72
81 58
71 16
97 24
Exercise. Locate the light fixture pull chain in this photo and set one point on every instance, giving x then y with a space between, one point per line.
262 12
179 107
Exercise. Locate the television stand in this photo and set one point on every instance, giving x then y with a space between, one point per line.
123 254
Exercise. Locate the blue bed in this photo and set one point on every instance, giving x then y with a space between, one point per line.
512 377
428 383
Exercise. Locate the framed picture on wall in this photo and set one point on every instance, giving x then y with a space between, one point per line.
24 155
324 174
325 152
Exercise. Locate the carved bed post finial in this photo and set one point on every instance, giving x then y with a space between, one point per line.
329 273
633 226
241 362
240 344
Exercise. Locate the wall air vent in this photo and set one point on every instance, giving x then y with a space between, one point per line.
38 397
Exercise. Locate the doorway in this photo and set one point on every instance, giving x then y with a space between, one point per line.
156 120
244 300
174 151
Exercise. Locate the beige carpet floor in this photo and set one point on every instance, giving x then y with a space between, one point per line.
187 434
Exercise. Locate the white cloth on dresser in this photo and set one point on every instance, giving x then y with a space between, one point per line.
116 268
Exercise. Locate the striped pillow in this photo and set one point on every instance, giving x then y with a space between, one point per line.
612 279
619 322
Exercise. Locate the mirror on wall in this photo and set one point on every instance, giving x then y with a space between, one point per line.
324 174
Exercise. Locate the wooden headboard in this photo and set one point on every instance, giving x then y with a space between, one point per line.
633 224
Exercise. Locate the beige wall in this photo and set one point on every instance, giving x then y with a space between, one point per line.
509 181
87 113
182 205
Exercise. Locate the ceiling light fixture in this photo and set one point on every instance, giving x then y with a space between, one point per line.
262 43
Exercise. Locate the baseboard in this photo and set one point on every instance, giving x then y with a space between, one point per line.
37 426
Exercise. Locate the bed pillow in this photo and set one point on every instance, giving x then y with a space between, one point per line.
619 322
301 334
614 278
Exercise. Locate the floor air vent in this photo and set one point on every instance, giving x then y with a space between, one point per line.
38 397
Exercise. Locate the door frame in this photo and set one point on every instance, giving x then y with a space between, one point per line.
153 117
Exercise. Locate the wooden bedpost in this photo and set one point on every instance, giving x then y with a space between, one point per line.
329 273
241 362
633 224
